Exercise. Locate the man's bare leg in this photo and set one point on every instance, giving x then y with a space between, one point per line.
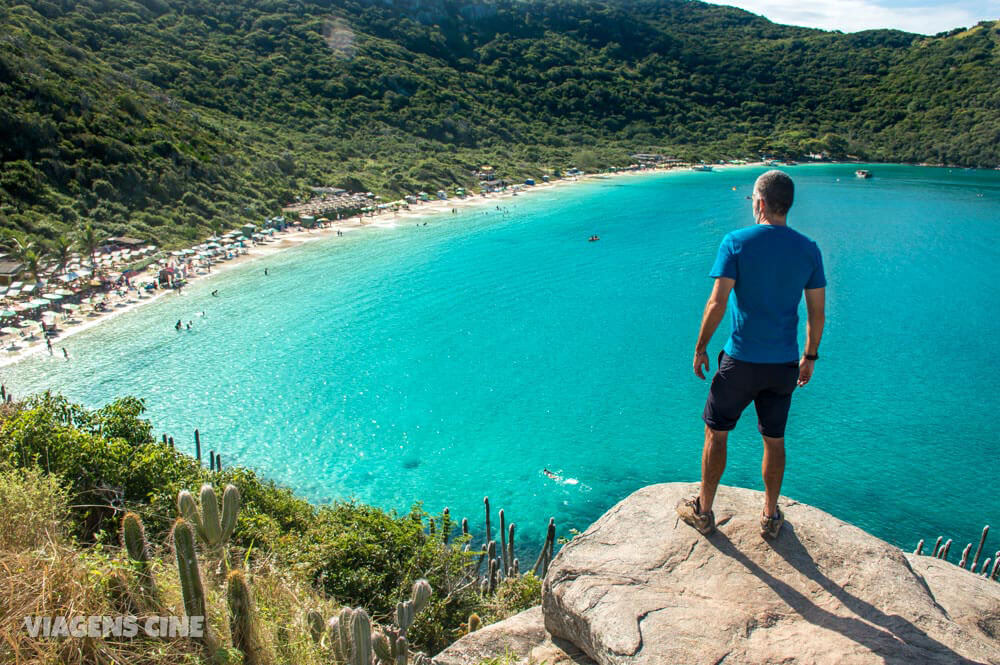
713 463
773 471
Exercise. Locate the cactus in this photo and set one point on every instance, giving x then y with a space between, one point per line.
986 567
510 548
486 502
212 530
361 638
315 622
920 548
383 650
996 566
937 547
402 650
134 540
979 550
475 623
465 526
241 624
445 525
421 594
503 541
945 550
190 577
965 556
545 556
517 567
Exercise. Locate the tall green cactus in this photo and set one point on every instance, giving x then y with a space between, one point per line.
190 577
541 566
241 620
339 634
213 530
133 537
361 638
316 625
503 541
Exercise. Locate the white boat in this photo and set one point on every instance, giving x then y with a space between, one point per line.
863 173
702 167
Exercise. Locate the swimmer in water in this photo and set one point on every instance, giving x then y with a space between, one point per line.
550 474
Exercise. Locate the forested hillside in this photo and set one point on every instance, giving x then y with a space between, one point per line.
167 119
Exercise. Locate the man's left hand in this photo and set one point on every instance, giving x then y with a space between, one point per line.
805 370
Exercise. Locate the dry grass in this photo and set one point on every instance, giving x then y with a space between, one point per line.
43 573
34 510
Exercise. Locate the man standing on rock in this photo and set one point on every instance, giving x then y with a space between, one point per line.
768 266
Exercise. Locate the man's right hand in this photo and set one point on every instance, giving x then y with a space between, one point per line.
700 360
805 370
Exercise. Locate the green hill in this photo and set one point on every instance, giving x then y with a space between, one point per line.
167 119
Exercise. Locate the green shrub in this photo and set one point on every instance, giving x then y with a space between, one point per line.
35 508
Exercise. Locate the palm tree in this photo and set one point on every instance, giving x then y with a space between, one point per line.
62 250
32 263
18 250
89 242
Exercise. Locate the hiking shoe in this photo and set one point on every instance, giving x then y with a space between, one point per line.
690 511
770 526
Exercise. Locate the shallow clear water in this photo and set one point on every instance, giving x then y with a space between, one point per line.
448 362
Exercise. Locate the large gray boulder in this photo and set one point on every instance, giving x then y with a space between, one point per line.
522 636
641 587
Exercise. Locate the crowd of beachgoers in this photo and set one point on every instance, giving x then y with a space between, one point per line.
36 315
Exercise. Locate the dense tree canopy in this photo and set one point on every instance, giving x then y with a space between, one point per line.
168 119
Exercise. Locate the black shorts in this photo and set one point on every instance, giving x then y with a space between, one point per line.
737 383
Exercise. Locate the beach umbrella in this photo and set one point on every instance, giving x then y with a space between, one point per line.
7 313
27 324
31 305
68 306
63 292
39 302
52 296
9 331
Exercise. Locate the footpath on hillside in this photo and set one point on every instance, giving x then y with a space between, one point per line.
641 587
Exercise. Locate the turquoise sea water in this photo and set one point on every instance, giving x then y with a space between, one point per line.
446 362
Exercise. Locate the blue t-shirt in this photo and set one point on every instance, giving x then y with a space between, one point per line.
771 266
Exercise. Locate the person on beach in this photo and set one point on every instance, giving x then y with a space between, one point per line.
768 266
65 353
48 344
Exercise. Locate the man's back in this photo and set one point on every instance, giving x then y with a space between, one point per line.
771 266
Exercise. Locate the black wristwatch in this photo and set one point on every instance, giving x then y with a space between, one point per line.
814 356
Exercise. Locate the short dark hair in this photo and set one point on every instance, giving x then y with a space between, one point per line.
777 190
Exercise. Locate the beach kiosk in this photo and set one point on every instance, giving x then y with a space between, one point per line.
308 221
248 230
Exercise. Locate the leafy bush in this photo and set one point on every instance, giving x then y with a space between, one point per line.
35 508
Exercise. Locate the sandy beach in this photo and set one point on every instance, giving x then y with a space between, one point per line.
296 237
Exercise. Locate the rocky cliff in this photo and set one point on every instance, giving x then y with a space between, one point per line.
640 587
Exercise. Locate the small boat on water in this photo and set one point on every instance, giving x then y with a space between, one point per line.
594 238
701 167
863 173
